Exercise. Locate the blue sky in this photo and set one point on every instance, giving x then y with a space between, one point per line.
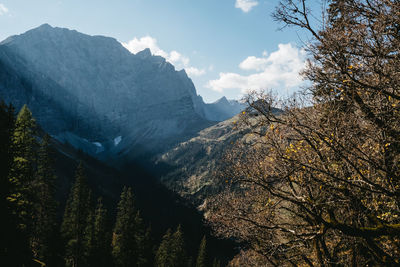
226 46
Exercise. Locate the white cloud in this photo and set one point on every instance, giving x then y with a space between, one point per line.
280 69
254 63
136 45
246 5
174 57
192 71
3 9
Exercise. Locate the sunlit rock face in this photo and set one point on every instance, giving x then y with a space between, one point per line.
90 90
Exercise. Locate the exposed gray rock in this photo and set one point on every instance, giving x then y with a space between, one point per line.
87 90
190 167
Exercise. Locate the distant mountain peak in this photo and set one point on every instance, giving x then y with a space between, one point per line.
86 90
144 53
45 26
183 74
222 100
223 109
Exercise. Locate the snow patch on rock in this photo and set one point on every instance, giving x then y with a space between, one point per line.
117 140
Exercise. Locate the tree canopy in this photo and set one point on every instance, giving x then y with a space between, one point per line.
320 184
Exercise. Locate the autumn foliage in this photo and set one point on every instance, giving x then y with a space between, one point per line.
320 184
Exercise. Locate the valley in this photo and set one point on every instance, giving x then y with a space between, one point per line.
133 150
114 112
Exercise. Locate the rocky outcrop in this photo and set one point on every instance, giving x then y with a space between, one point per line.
190 167
89 90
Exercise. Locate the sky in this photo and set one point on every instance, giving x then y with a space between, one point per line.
227 47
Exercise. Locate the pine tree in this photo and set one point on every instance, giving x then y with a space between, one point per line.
163 255
128 232
171 252
21 178
13 246
89 242
99 254
23 169
216 263
178 253
43 236
148 249
202 255
77 217
140 242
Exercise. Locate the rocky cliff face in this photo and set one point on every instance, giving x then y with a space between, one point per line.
191 167
93 93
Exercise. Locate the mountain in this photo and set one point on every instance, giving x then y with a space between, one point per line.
162 208
220 110
223 109
97 99
91 92
190 167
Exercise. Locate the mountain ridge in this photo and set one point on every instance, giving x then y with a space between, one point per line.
88 90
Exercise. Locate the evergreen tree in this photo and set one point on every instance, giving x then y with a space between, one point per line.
178 253
23 169
99 253
171 252
140 240
202 255
88 242
76 221
163 255
21 178
128 234
43 236
216 263
148 249
12 249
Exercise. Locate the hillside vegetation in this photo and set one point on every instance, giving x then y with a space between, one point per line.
320 185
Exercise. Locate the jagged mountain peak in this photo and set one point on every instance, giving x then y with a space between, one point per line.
90 90
144 53
45 26
183 73
222 100
45 34
49 29
223 109
78 55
